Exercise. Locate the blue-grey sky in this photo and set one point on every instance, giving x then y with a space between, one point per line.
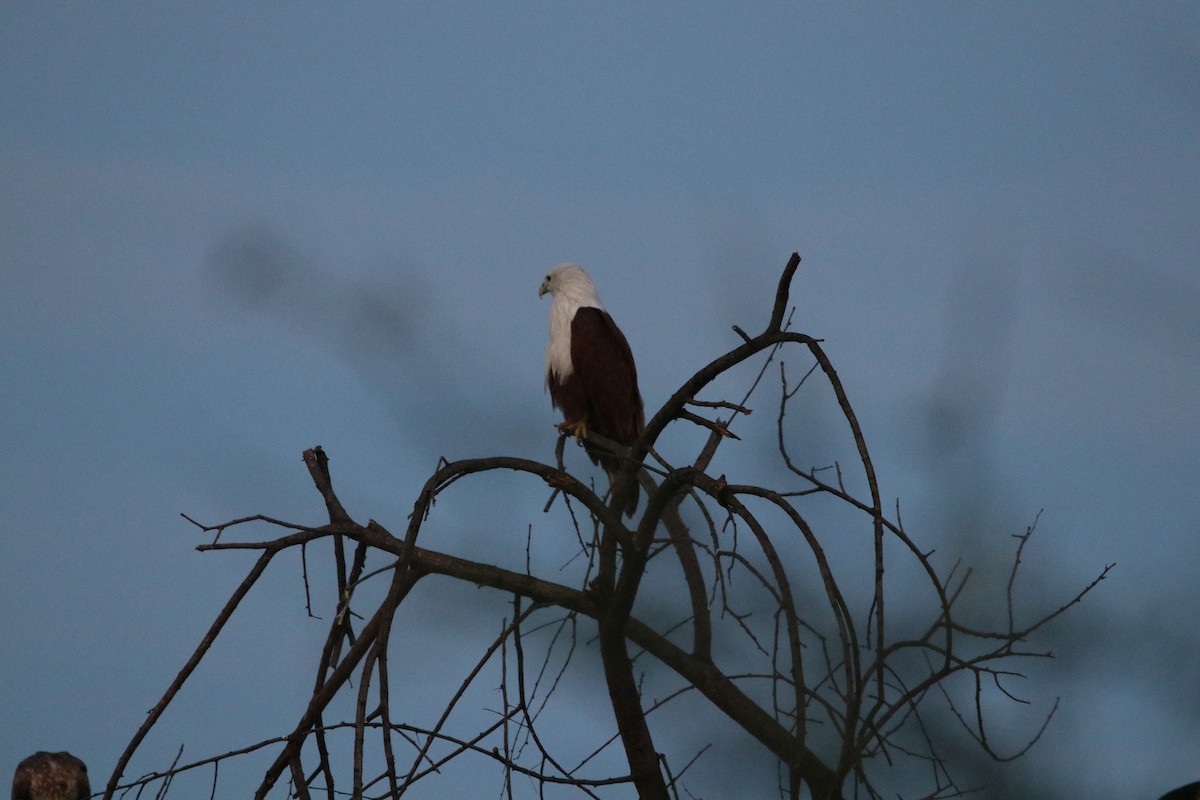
997 206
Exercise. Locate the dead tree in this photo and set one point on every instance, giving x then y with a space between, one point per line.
835 696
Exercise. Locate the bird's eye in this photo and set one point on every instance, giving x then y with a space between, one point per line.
547 279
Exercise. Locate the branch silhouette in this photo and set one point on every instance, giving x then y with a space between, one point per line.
834 698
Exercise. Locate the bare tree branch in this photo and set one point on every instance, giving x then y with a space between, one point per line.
833 694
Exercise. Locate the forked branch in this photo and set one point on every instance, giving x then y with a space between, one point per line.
833 696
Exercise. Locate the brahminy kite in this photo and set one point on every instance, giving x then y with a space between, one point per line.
589 368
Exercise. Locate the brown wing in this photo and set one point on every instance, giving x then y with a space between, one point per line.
569 396
603 362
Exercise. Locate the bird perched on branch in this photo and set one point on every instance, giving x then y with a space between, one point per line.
51 776
590 370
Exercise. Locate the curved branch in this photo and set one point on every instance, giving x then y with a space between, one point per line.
825 671
781 293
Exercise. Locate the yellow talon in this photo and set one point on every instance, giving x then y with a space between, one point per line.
576 429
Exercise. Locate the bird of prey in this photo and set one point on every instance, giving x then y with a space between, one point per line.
589 368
